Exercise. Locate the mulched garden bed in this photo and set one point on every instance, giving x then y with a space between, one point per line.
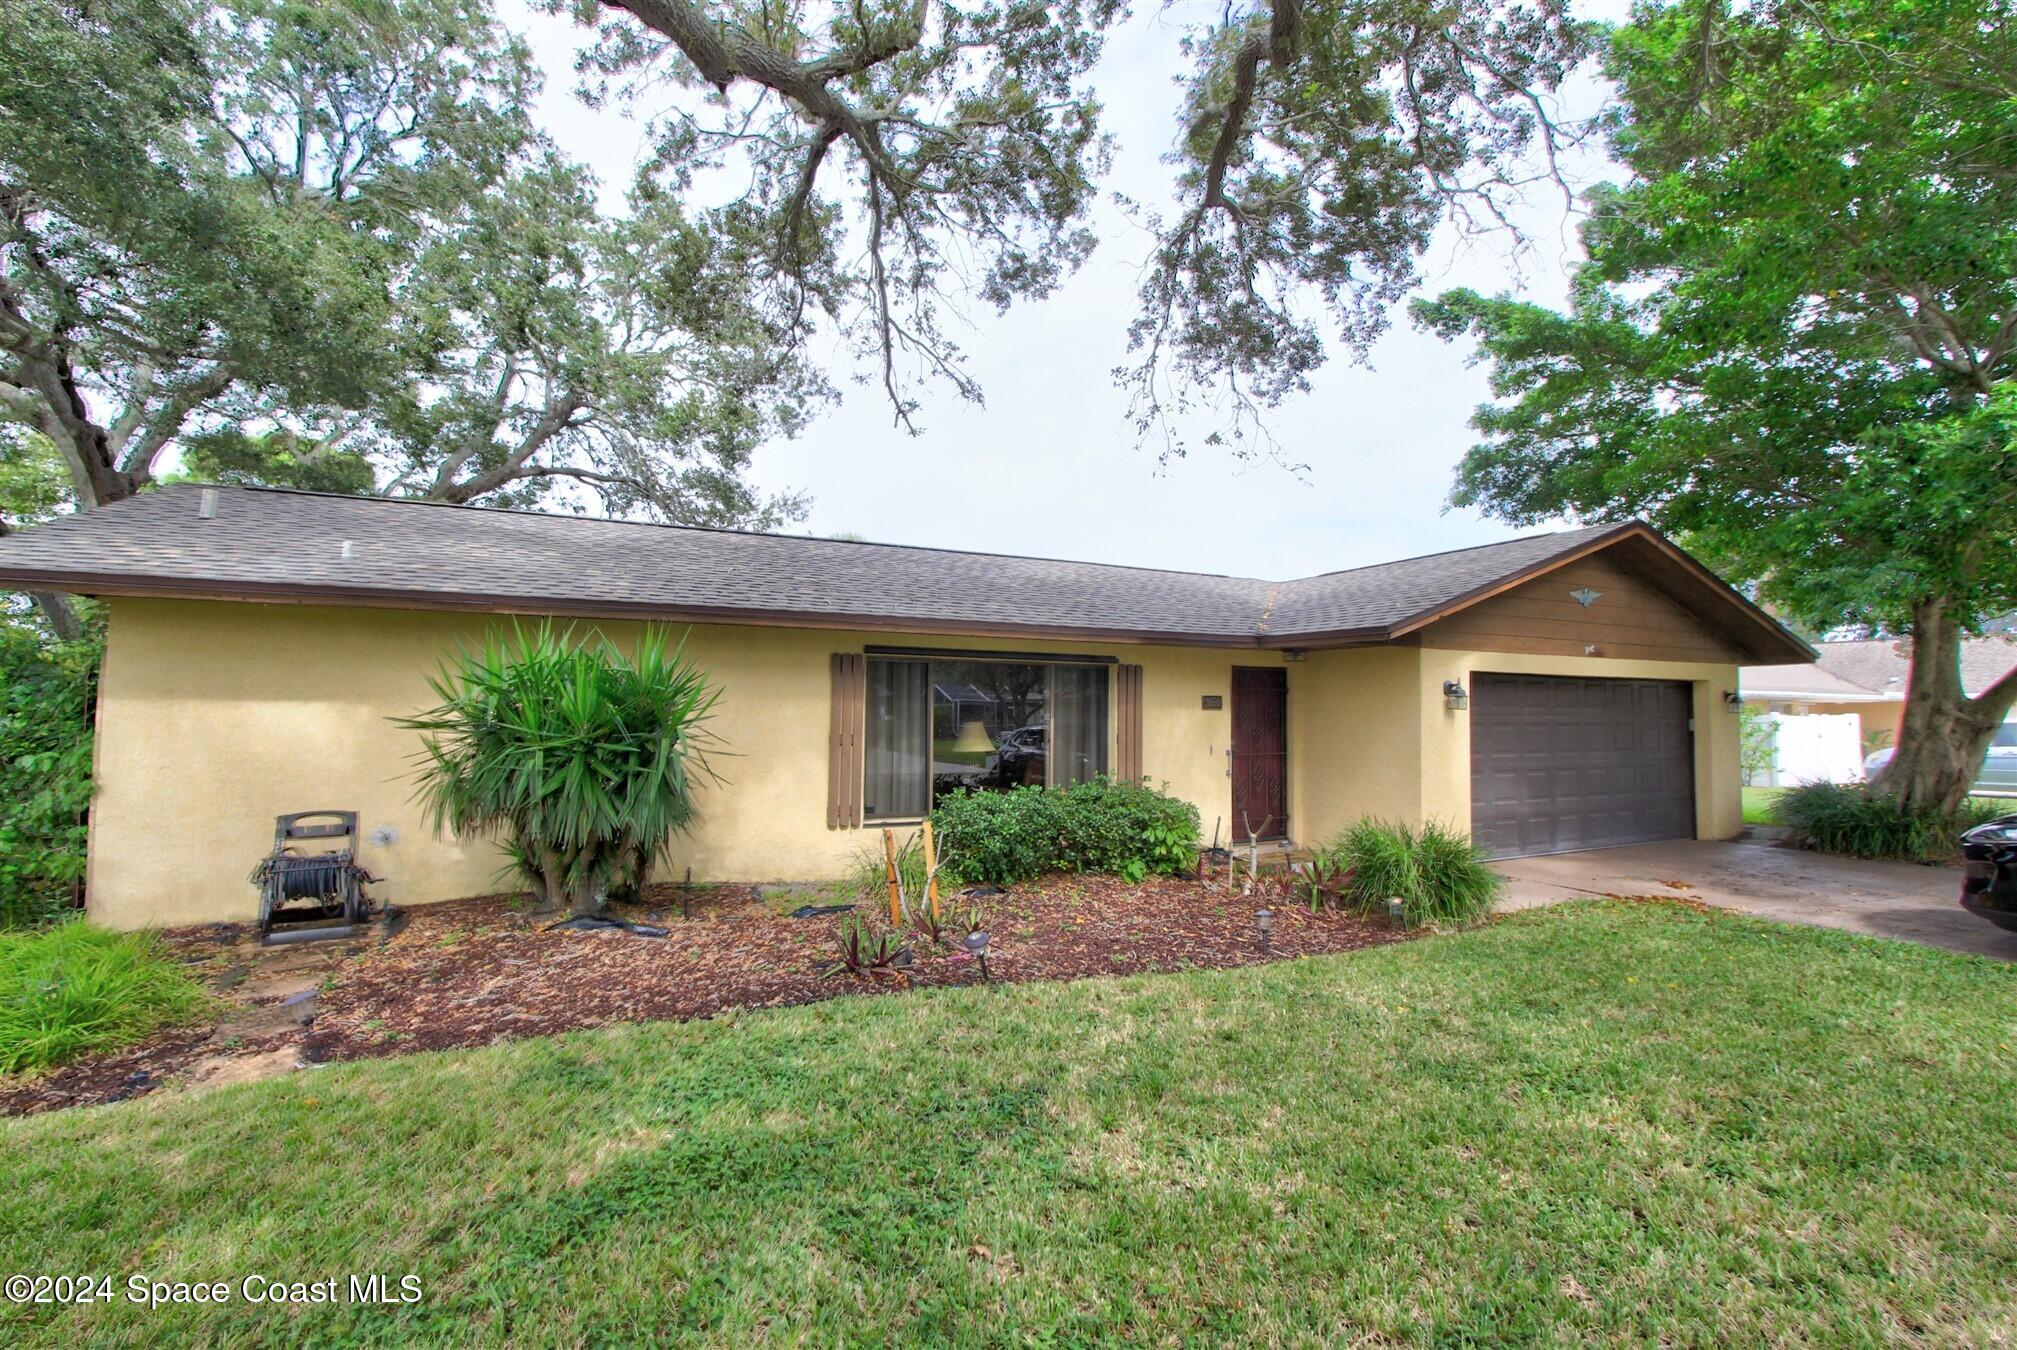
130 1071
468 973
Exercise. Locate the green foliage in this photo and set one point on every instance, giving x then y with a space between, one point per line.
275 459
1791 342
906 162
1862 822
867 875
582 755
73 989
1435 871
322 246
1128 829
1757 743
206 204
47 697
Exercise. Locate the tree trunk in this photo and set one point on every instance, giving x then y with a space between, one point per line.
1944 733
583 900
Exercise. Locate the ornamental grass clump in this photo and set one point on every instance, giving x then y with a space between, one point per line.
75 988
1436 872
581 756
1862 822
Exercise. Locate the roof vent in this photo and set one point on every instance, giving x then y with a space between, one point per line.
206 504
349 549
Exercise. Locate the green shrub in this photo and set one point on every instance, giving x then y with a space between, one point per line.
1436 872
581 755
46 698
1854 819
75 988
1129 829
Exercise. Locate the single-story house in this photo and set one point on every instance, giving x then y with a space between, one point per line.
1561 691
1867 677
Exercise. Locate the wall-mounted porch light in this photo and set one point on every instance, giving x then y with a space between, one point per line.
1733 702
1455 697
1585 597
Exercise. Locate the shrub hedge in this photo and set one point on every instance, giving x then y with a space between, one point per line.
1856 820
999 838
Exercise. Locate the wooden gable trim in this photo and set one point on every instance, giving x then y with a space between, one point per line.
1749 630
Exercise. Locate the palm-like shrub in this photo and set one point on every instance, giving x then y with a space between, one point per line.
581 756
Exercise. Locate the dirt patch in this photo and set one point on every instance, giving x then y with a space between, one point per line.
466 973
470 972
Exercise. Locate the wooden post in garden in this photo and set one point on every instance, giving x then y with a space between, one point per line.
895 893
930 870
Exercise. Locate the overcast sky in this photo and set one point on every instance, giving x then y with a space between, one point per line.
1050 466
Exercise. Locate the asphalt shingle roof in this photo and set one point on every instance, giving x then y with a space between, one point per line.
269 541
1881 666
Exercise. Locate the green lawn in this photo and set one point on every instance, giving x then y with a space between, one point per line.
1605 1122
1758 805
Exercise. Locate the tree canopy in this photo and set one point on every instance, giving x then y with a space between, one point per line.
903 160
1790 340
323 246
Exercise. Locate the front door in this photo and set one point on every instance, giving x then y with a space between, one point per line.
1260 752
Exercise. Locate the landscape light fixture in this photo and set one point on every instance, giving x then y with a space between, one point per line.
1264 920
976 943
1397 911
1455 697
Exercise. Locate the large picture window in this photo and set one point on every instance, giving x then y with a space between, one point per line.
934 727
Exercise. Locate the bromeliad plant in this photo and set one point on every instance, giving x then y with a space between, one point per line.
864 947
583 757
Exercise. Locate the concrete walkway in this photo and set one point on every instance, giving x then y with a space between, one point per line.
1885 899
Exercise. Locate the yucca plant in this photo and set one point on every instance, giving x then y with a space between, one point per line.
581 755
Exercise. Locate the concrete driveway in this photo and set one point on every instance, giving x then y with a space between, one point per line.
1884 899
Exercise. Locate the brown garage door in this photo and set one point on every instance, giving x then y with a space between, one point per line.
1561 764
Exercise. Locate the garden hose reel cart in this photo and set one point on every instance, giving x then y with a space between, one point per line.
305 896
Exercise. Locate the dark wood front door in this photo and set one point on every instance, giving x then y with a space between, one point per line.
1260 751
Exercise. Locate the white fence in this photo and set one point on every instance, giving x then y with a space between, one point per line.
1815 748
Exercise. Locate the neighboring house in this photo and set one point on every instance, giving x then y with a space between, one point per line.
1561 691
1867 677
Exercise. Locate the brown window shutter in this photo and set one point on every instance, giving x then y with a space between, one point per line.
1128 723
844 749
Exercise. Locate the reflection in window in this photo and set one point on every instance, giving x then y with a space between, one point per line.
935 727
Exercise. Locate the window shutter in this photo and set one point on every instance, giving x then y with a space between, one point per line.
844 743
1128 723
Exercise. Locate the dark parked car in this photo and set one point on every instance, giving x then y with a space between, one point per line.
1989 884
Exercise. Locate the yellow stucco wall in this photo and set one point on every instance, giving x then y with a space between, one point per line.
215 716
